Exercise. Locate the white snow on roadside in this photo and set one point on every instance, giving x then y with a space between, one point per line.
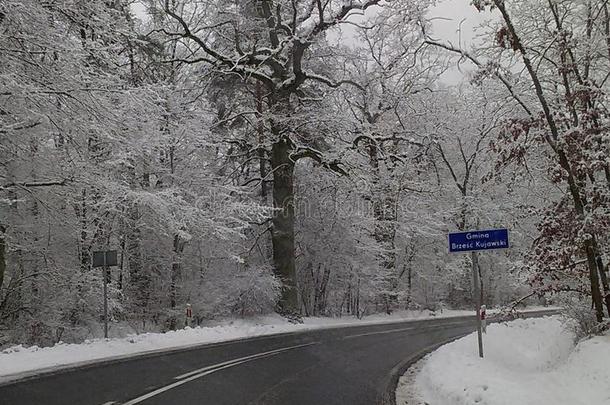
527 362
16 360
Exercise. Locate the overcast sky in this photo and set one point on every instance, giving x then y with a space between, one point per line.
447 16
452 21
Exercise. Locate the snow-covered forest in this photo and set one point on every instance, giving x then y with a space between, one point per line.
299 156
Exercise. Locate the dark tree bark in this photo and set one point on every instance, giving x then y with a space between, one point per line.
262 155
282 235
320 288
384 212
84 248
604 279
176 271
2 253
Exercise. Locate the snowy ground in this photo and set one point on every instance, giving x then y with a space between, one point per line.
527 362
18 361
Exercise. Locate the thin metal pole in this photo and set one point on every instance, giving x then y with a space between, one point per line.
105 299
477 299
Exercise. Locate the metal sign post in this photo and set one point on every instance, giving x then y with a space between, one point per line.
477 298
473 241
105 259
105 299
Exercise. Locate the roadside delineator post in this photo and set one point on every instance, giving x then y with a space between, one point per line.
189 314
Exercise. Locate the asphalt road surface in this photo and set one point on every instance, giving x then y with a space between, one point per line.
348 366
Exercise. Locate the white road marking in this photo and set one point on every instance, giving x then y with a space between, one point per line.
193 375
378 333
109 403
239 360
403 329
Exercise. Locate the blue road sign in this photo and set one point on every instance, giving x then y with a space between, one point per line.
478 240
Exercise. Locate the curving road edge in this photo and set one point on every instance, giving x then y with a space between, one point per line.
354 365
389 396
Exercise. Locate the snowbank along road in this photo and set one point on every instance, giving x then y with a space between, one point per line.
349 365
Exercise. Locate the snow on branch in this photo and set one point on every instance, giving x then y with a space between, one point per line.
37 184
380 139
479 64
234 65
307 152
349 6
331 83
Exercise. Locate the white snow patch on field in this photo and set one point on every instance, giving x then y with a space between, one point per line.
527 362
19 360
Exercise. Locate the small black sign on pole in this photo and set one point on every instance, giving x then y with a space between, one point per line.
105 259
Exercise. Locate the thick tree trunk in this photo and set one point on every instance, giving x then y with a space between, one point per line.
320 292
348 298
357 304
121 261
602 275
593 277
409 286
384 212
83 246
176 273
176 268
2 253
139 282
138 287
132 242
605 285
282 235
262 162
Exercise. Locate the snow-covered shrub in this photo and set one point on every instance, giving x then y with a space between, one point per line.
579 317
258 291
